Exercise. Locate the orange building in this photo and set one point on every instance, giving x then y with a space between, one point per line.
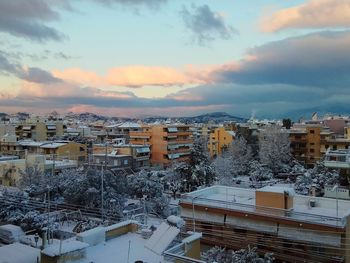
168 143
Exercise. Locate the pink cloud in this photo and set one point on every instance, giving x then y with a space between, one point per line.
312 14
139 76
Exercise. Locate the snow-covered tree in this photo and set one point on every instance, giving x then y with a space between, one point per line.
318 177
241 154
223 169
274 148
223 255
33 180
259 172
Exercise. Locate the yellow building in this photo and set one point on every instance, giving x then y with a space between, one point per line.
219 139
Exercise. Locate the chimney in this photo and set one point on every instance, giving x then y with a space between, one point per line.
44 237
313 190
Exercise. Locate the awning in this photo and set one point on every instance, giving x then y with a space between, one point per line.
142 150
51 127
27 128
172 129
173 156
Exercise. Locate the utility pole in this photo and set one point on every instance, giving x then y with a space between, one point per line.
48 214
102 179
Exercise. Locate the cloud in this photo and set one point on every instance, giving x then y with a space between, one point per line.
31 74
135 76
205 24
154 4
37 75
23 18
312 14
320 59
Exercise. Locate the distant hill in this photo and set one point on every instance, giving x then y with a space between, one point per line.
216 117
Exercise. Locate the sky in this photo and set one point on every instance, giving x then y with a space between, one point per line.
135 58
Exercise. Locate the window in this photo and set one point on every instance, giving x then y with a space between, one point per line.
312 131
312 150
312 143
126 162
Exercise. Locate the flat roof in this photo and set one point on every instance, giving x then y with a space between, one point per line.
118 248
242 199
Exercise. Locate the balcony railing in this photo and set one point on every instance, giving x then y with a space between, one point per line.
265 211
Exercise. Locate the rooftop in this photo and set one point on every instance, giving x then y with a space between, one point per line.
240 199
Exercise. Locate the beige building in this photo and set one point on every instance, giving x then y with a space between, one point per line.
58 149
39 131
11 170
293 227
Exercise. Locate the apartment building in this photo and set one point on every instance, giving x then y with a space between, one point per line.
295 228
339 160
39 131
140 154
121 130
58 149
168 143
11 170
309 142
219 140
112 161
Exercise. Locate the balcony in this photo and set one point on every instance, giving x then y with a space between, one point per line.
189 141
141 135
337 159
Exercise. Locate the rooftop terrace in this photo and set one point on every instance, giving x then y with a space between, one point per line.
239 199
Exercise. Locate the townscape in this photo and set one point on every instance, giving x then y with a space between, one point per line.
262 190
174 131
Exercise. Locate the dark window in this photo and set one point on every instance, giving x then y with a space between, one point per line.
312 131
312 150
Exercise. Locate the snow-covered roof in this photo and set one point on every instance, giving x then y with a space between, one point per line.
53 145
19 253
162 238
67 246
130 125
242 199
232 133
277 189
30 143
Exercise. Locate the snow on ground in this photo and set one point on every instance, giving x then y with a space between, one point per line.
67 246
19 253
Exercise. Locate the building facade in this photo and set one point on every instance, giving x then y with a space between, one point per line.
219 140
168 143
294 228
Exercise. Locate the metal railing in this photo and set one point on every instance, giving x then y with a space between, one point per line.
265 211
